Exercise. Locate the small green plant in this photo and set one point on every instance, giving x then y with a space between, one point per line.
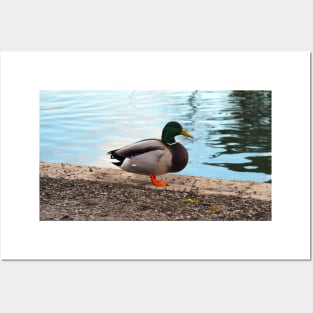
191 201
214 208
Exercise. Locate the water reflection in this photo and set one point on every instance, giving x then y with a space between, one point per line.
246 127
231 129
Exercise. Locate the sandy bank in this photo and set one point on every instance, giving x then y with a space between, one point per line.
77 192
244 189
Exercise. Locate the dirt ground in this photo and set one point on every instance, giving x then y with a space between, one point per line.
81 193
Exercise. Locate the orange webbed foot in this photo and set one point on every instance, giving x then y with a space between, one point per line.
156 182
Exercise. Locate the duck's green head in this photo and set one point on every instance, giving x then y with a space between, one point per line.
172 129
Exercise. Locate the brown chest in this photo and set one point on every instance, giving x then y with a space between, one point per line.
180 157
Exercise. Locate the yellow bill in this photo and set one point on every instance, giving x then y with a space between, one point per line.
185 133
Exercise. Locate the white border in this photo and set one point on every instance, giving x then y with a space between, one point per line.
23 74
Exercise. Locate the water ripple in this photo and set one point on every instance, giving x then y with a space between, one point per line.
231 129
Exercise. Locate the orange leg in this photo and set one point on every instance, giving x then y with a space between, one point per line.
157 182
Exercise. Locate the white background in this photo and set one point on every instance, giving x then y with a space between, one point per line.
25 74
241 286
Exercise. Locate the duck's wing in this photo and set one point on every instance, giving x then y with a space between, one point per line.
149 156
138 148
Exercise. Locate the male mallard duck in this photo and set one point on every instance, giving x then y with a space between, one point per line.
153 156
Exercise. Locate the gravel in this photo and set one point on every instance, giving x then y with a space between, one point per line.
64 199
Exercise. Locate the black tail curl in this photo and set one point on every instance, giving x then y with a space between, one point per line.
117 157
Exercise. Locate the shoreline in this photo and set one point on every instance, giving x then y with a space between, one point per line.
82 192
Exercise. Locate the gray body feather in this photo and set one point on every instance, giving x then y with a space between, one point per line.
151 156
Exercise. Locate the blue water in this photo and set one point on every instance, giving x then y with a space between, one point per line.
231 129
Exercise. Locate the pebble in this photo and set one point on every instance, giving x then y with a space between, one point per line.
63 199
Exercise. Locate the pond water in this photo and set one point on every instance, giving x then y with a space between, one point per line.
231 129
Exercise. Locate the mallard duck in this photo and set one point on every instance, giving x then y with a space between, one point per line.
154 156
